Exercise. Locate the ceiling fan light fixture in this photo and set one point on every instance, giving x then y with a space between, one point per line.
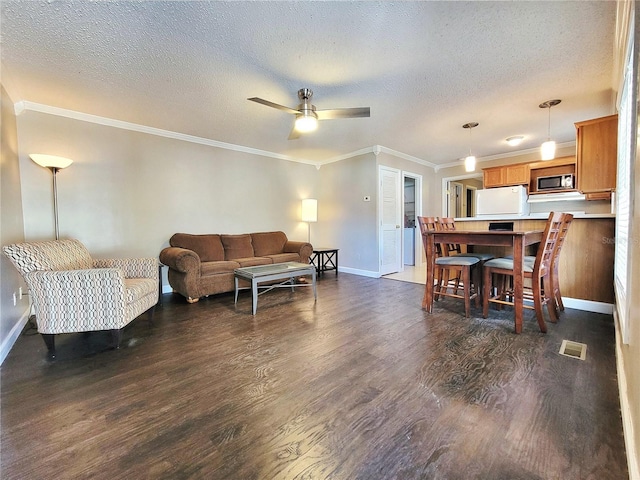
548 148
515 140
306 122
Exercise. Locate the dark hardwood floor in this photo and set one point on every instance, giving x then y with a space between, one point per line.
360 385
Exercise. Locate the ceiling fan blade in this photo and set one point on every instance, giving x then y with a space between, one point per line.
274 105
344 113
295 134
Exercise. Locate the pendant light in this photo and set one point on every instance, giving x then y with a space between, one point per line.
470 161
548 148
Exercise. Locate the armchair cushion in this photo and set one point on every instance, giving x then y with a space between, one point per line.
51 255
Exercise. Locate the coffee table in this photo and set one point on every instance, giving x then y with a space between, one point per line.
288 272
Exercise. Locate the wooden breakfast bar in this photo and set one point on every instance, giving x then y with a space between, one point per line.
586 262
517 240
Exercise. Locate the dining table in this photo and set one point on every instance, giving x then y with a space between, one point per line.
518 240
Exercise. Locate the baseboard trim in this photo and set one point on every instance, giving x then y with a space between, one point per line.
588 305
362 273
11 339
633 462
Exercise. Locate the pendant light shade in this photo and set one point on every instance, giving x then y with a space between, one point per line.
548 148
470 161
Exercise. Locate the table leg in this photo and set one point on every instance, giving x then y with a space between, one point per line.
236 290
518 281
254 296
313 283
427 300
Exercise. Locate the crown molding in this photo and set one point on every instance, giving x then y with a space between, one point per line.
377 150
22 106
499 156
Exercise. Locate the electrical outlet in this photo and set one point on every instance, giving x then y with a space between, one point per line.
14 299
20 293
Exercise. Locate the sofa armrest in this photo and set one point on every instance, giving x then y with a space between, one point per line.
181 259
304 249
132 267
61 299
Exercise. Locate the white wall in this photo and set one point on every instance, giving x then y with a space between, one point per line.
127 192
12 317
345 220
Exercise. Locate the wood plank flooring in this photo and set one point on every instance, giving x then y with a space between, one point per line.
361 384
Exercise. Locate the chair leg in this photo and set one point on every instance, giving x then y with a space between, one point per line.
466 287
547 287
537 302
477 275
151 311
486 286
116 338
557 296
49 341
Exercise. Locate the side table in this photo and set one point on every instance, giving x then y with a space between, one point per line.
324 259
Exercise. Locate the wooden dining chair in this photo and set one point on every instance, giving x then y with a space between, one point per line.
556 294
446 265
448 223
538 273
567 218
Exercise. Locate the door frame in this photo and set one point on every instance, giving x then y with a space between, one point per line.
419 261
446 180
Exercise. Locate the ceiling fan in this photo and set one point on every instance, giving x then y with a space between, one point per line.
307 116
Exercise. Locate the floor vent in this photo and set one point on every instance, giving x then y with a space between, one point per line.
573 349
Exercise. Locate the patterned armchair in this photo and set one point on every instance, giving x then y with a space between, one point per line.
71 292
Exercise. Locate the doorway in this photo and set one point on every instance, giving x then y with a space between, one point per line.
459 195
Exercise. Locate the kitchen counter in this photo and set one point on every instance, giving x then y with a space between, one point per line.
586 261
533 216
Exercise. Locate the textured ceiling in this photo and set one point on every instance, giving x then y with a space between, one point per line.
424 68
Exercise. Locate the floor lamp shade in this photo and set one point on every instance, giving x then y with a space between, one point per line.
50 161
309 210
54 164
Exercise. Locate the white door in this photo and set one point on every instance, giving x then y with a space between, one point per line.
390 214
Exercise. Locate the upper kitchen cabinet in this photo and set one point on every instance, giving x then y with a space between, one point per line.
596 155
506 175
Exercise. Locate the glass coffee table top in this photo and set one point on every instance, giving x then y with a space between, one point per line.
264 270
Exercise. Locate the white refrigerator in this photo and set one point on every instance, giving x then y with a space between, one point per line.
506 202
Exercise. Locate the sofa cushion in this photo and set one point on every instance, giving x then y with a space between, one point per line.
237 246
253 261
284 257
214 268
268 243
208 247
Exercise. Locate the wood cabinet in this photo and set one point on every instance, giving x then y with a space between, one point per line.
506 175
596 155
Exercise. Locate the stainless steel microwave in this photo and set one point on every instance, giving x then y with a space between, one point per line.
566 181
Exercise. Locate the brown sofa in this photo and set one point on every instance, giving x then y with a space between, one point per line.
202 265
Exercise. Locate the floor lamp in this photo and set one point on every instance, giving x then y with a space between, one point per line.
54 164
309 213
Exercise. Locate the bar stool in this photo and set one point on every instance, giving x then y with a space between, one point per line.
446 264
538 273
